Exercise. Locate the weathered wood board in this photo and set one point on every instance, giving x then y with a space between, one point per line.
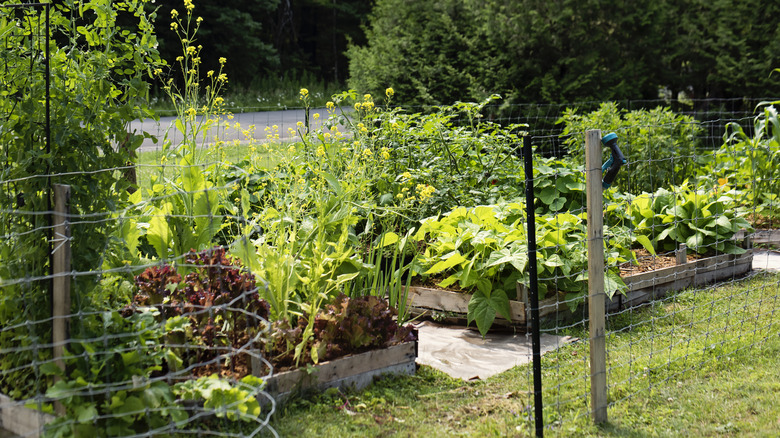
355 372
454 302
763 237
22 421
642 288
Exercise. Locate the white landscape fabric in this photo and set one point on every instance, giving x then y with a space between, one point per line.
463 354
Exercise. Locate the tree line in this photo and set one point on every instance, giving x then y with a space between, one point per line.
434 52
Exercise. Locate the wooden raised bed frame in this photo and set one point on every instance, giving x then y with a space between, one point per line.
642 288
354 371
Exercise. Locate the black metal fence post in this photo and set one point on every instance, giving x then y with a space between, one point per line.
533 289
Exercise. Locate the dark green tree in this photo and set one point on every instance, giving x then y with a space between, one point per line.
567 50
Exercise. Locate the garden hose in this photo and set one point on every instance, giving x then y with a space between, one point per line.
616 160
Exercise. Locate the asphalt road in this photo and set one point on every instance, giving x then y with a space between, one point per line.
251 126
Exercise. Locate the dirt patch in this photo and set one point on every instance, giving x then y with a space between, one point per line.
648 262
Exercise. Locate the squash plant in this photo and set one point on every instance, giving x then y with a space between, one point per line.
483 250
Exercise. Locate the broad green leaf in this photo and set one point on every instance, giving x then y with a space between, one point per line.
695 241
613 283
483 309
86 413
333 182
548 195
723 221
389 238
449 260
646 244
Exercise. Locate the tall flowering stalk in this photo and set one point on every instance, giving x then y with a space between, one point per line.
197 112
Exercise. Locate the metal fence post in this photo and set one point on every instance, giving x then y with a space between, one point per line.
533 289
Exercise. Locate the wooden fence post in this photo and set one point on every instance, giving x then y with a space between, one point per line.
60 277
596 295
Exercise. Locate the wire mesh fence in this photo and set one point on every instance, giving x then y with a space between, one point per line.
687 286
164 306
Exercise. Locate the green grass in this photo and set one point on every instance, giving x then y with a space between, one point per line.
701 363
149 163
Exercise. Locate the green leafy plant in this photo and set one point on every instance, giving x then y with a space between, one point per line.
659 144
101 55
704 220
114 350
224 399
483 250
751 164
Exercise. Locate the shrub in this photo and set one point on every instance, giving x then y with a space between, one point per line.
660 145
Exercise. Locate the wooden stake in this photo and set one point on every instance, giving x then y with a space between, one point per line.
682 254
596 295
61 277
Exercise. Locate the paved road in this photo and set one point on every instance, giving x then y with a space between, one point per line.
284 120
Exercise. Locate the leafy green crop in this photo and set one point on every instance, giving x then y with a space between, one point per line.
705 221
483 250
659 144
751 164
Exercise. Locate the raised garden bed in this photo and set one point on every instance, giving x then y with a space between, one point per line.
761 237
20 420
643 287
348 372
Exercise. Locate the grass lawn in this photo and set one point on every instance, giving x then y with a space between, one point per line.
700 363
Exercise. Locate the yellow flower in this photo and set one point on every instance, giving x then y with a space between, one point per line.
222 77
180 58
300 124
210 73
367 97
199 20
326 135
357 106
406 175
174 26
316 116
189 5
222 61
389 92
385 152
330 106
367 153
218 100
174 13
304 93
320 151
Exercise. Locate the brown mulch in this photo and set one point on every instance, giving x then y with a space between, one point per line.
649 262
238 369
762 222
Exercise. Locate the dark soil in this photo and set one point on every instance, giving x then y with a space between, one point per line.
649 262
